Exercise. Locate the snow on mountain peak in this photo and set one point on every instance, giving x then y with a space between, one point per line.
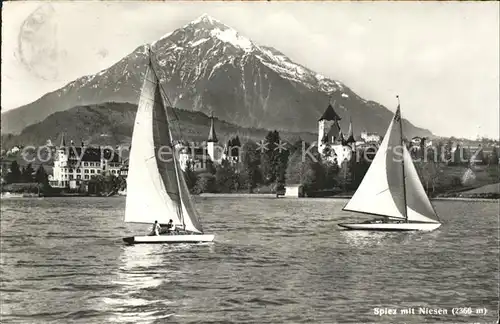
222 32
206 19
232 37
206 28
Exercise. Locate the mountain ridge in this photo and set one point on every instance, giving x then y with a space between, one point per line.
112 124
208 66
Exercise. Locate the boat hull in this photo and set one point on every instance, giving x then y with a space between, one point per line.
391 226
169 239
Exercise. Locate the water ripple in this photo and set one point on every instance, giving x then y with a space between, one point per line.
274 261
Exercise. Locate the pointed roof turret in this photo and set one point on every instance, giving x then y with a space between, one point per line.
350 135
212 137
330 113
63 142
341 137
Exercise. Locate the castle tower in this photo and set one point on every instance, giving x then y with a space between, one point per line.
62 154
350 136
63 142
325 124
341 139
212 139
61 163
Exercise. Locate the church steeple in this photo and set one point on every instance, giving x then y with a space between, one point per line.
212 137
350 135
63 142
341 138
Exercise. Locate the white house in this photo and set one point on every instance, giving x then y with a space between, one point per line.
81 163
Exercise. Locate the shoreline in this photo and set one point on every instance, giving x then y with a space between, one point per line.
342 197
252 195
236 195
466 199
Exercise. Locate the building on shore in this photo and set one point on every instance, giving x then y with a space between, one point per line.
370 137
195 155
74 165
232 151
332 144
294 191
199 155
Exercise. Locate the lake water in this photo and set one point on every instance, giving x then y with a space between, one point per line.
274 261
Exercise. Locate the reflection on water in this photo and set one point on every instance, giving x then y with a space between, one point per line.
143 269
273 261
387 240
134 259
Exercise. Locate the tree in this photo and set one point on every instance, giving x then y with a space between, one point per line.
14 174
105 184
95 184
110 183
438 155
41 176
251 161
42 179
205 183
121 183
466 155
478 156
447 156
234 147
422 148
226 178
295 146
293 170
429 173
360 165
270 157
281 170
414 151
190 176
27 174
344 174
210 167
306 172
493 158
458 156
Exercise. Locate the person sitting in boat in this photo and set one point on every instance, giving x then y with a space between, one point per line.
170 227
156 228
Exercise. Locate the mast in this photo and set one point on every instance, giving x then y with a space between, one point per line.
403 159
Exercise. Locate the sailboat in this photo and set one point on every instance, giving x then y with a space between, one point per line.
156 189
391 189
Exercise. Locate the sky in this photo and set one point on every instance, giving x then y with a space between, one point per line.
441 58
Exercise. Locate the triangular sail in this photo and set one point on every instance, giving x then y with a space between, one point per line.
380 191
189 214
152 191
392 188
419 205
156 186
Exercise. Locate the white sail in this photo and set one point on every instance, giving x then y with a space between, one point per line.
374 195
419 205
189 216
384 191
152 191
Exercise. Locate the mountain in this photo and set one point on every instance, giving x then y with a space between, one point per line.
207 66
112 124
